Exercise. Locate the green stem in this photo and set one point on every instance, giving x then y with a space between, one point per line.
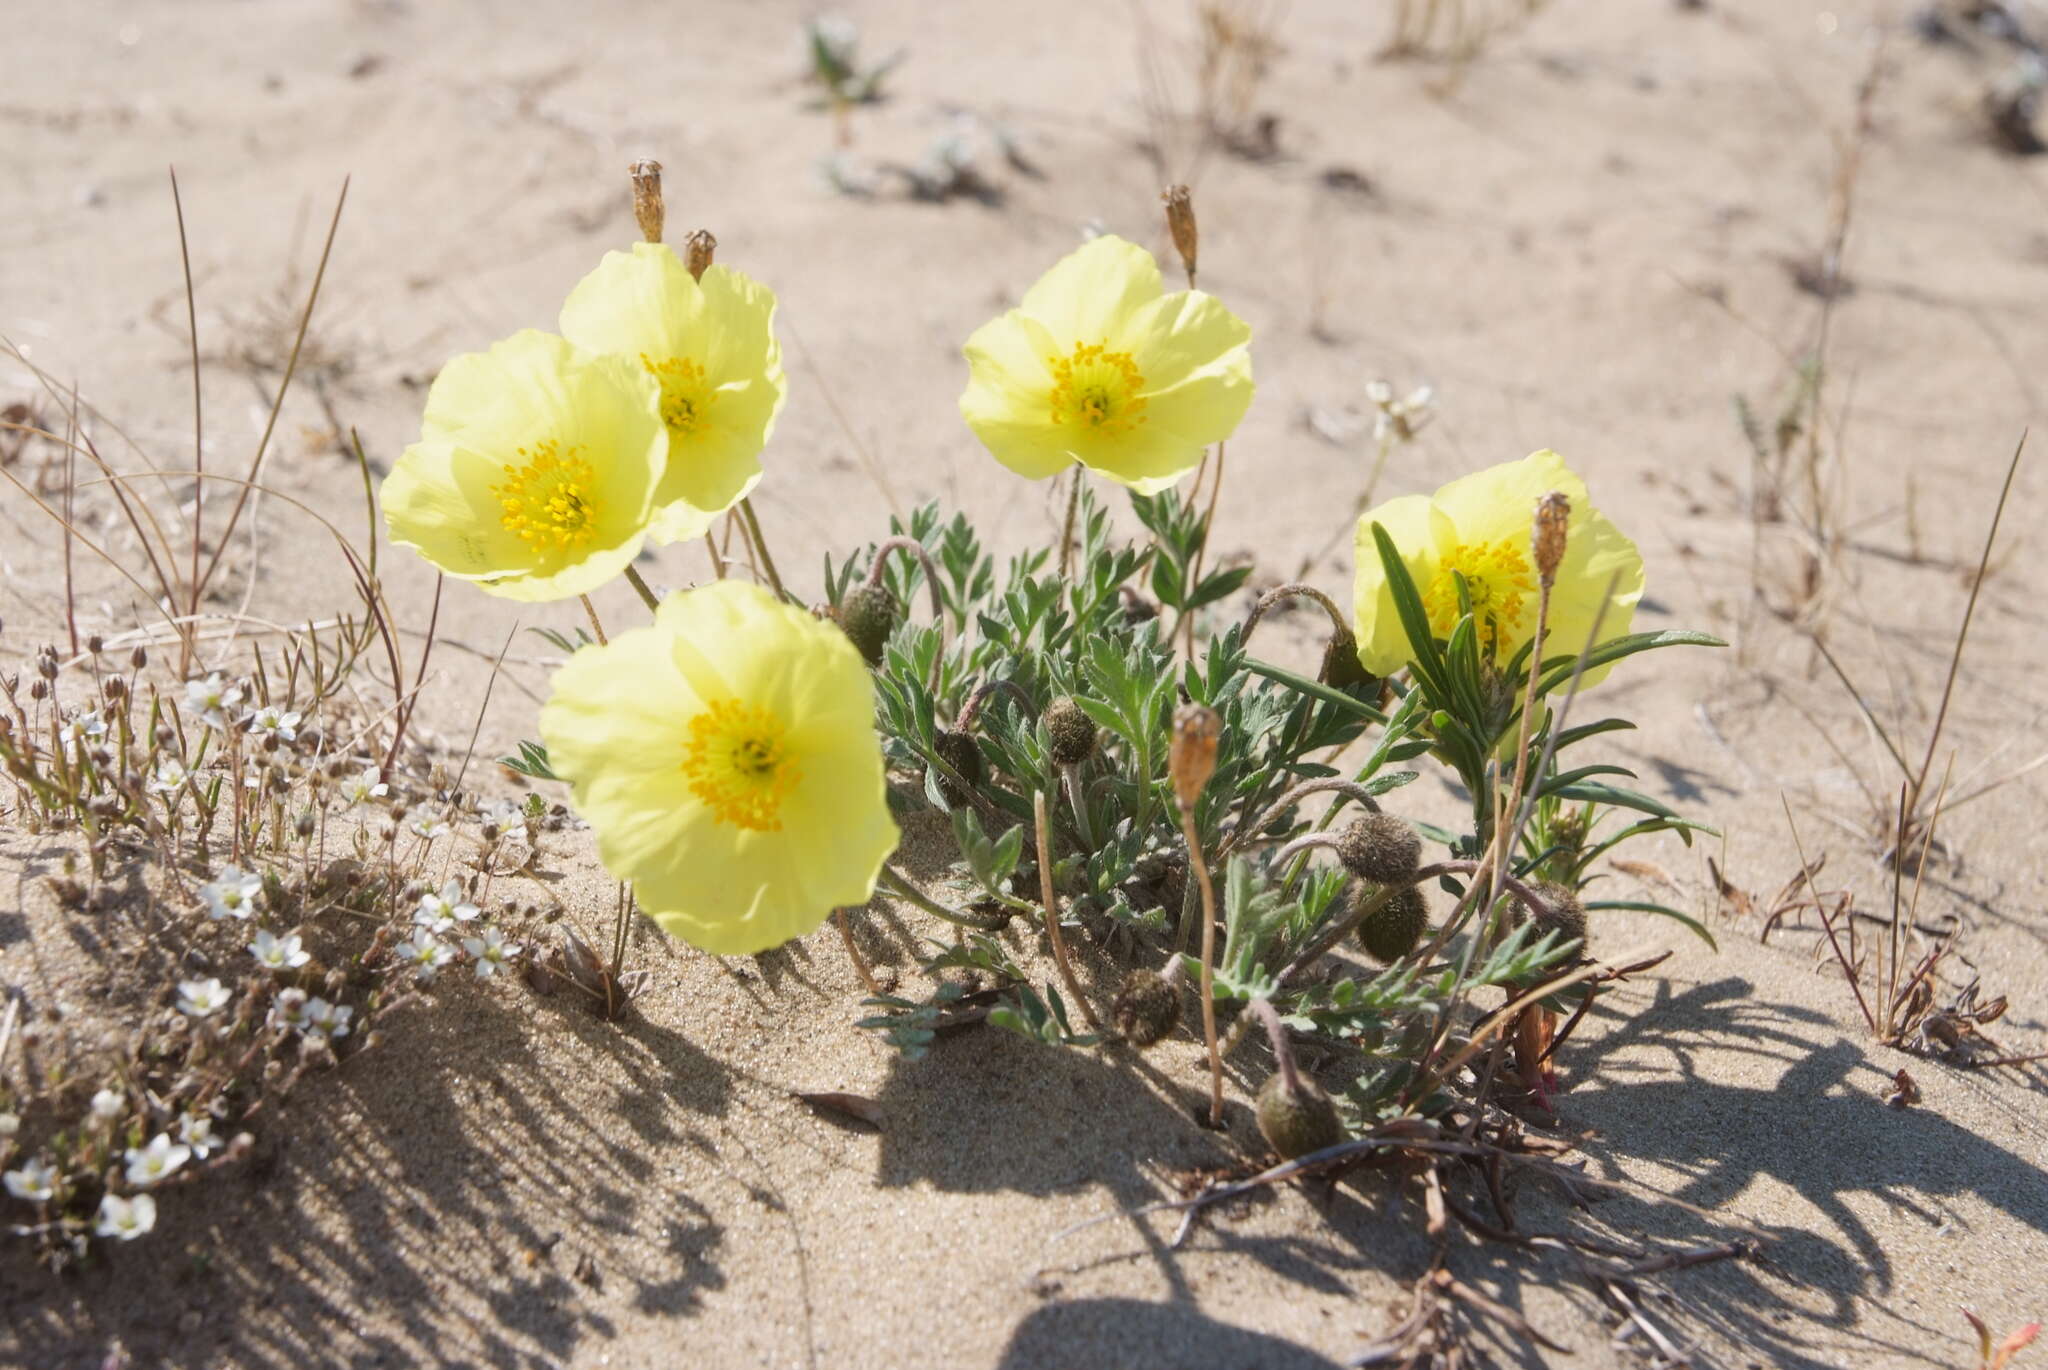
753 523
900 886
646 595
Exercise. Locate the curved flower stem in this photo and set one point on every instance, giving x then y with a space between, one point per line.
1290 591
1349 788
1341 929
971 710
753 523
1201 869
931 580
1201 555
717 561
860 963
1308 841
899 885
1283 1050
595 626
1052 910
640 587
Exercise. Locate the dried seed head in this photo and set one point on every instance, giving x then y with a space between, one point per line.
38 689
698 250
1192 759
95 644
1547 539
1394 929
958 750
1070 730
867 615
1180 222
46 665
303 825
647 205
115 687
1562 912
1146 1008
138 658
1341 667
1296 1122
1380 847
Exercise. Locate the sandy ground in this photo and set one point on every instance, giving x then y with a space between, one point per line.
1590 243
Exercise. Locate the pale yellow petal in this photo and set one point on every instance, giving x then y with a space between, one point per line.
1007 400
1090 292
1419 531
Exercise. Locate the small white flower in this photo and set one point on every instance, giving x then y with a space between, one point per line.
503 814
233 894
10 1123
108 1105
160 1158
169 777
89 726
196 1131
431 826
360 789
203 998
327 1020
212 700
426 954
36 1181
126 1219
491 952
271 721
279 953
441 909
1400 419
289 1009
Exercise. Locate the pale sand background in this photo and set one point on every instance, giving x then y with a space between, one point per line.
1547 243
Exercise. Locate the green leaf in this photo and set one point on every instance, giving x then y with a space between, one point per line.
1219 585
1614 796
1428 660
1560 668
1301 684
1662 911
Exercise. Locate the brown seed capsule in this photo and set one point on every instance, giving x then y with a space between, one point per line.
138 658
1547 539
1180 222
1298 1122
1192 758
698 250
647 205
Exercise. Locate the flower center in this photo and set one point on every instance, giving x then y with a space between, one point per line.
550 501
1498 579
1096 388
738 764
685 399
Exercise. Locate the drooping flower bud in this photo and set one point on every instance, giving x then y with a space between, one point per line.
867 615
1562 912
1192 758
1380 847
1146 1008
1070 730
959 750
1298 1121
1392 930
1341 667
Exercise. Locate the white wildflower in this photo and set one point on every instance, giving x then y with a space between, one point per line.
441 909
360 789
431 826
271 721
126 1219
203 998
426 954
196 1131
36 1181
289 1009
279 953
159 1159
108 1105
10 1123
89 726
233 894
491 952
212 700
327 1020
169 777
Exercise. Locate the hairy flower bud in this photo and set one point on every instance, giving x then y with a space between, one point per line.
1070 730
1146 1008
958 749
1562 912
1296 1122
867 615
1392 930
1380 847
1342 669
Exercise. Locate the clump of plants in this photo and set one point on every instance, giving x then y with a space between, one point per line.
1220 836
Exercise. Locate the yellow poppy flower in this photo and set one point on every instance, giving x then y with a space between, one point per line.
535 469
711 346
728 761
1479 527
1099 365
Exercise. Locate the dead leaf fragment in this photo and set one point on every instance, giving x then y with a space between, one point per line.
855 1106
